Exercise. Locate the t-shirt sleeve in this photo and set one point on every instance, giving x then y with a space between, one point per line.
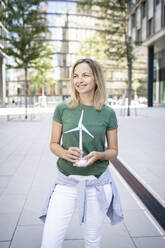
112 123
57 116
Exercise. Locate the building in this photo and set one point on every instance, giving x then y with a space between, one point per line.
3 32
68 26
147 25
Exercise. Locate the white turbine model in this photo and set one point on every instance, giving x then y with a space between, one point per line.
80 128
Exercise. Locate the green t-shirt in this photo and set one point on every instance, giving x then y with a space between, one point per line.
97 123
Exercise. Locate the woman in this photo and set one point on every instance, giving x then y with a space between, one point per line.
83 179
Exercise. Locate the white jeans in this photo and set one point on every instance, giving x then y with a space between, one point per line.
61 208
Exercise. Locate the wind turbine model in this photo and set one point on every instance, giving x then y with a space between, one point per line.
80 128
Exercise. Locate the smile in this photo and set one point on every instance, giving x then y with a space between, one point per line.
81 85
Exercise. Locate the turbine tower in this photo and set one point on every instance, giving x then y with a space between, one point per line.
80 128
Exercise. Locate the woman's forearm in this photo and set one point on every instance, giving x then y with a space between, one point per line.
58 150
108 154
73 154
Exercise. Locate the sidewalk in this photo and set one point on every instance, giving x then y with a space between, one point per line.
27 169
142 147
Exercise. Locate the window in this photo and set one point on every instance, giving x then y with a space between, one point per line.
157 2
163 15
139 35
133 20
143 9
1 33
150 27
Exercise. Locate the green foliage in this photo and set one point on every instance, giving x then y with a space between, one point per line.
25 28
142 89
114 16
42 72
93 47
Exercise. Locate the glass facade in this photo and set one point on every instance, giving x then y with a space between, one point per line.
159 77
68 26
3 32
152 26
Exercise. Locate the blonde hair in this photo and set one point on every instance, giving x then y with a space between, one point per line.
100 91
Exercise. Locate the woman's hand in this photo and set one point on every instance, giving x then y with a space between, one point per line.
91 158
73 154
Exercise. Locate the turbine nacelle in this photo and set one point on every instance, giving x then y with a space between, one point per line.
80 127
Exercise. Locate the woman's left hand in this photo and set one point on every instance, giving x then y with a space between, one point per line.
91 158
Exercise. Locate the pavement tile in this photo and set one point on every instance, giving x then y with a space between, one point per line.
8 223
73 244
1 191
11 203
128 202
6 152
138 224
19 185
150 179
27 237
150 242
4 180
23 149
159 187
4 244
23 178
29 218
31 165
136 147
116 236
10 209
10 166
32 208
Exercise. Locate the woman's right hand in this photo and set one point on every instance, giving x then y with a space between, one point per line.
73 154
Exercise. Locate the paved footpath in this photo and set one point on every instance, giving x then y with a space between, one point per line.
27 168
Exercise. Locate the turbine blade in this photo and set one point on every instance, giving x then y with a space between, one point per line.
81 117
72 130
85 130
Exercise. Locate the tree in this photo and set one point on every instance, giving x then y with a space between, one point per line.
135 87
142 89
93 47
114 15
25 25
42 72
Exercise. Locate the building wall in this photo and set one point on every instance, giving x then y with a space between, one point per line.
69 26
2 82
151 15
3 32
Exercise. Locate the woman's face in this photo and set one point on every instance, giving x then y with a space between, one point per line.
83 79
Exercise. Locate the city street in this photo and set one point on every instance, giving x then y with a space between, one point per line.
27 169
89 50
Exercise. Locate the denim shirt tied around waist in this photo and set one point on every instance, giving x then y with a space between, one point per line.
113 210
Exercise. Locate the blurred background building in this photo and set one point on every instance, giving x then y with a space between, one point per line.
147 25
3 32
69 26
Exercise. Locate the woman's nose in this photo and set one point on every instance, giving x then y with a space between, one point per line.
80 79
